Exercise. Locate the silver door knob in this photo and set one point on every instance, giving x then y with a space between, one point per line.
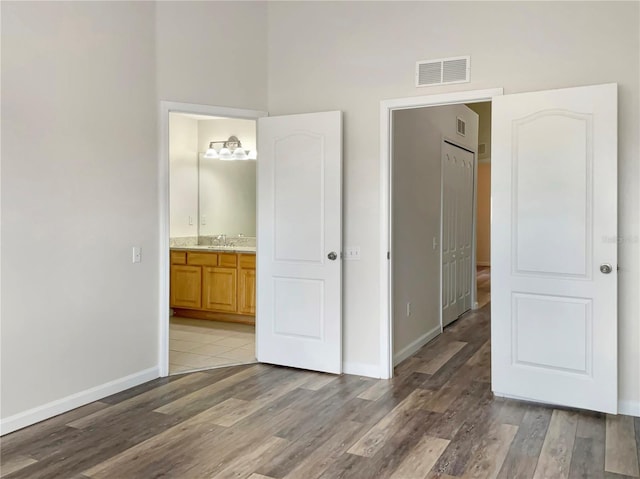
605 268
332 256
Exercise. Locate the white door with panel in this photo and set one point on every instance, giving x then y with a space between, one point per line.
299 271
554 247
458 167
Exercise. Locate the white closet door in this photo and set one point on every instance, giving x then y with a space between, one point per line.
457 231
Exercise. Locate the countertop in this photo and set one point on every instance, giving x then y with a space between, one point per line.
219 249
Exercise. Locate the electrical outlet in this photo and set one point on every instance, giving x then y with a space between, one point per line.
435 242
408 309
190 220
137 254
203 219
352 252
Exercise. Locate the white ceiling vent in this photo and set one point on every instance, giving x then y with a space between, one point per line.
443 71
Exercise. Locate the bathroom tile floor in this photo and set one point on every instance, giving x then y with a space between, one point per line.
202 344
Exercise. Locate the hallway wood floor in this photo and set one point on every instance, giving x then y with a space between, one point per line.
436 419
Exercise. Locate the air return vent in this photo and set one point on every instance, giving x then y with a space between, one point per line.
443 71
461 126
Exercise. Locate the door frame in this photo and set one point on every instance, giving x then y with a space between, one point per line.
386 224
167 107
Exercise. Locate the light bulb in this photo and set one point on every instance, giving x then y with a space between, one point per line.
225 154
239 154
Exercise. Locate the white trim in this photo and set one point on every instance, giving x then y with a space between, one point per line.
386 107
361 369
167 107
415 346
629 408
59 406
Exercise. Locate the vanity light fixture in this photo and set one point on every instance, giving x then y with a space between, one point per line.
231 150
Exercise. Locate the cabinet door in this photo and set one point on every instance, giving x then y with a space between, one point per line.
247 291
219 289
186 286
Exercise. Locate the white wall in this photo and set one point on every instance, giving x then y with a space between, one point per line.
417 161
483 210
79 189
227 188
183 175
81 84
483 109
354 54
213 53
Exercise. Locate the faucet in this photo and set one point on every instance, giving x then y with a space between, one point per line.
222 238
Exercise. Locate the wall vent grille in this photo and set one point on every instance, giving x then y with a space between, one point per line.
461 126
443 71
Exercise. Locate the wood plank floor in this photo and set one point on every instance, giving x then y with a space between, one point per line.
436 419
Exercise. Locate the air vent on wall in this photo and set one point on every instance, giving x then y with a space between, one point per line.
461 126
443 71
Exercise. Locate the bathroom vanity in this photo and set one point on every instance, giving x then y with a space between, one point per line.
210 283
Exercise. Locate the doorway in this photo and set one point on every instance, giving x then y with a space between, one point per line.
212 239
554 199
208 237
387 305
298 309
434 160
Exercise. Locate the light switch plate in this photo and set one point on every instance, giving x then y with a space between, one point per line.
137 254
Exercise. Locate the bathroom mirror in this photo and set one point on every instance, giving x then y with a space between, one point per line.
211 196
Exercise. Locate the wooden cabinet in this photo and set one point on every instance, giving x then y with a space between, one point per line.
247 284
186 286
219 289
210 285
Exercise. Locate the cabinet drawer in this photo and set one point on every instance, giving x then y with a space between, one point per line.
178 257
227 260
202 259
247 261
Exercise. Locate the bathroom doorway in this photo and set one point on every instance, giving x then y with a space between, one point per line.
211 238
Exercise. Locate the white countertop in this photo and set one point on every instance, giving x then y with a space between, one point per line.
230 249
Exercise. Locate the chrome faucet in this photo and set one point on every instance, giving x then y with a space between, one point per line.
222 238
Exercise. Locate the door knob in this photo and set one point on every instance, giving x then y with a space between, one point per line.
605 268
332 256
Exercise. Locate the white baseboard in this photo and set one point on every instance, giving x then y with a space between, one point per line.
59 406
629 408
413 347
362 369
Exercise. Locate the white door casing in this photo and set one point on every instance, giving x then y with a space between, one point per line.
299 288
458 166
554 223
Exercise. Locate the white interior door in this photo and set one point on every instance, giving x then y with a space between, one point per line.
554 248
457 230
299 271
